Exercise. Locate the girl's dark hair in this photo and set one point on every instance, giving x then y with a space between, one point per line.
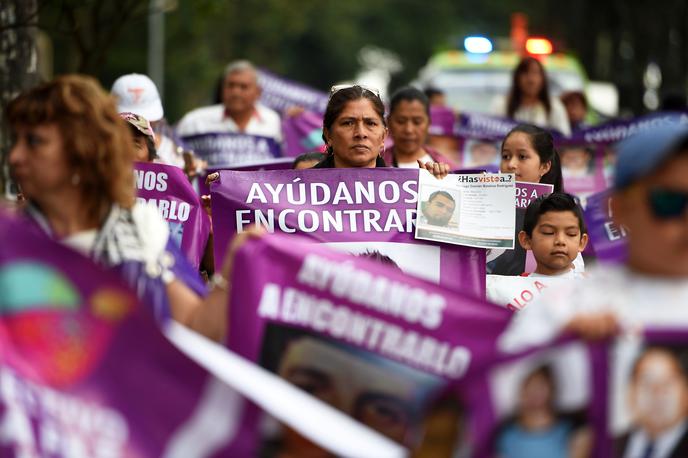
516 95
543 144
338 101
409 94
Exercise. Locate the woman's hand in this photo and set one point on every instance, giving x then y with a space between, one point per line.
209 316
205 199
438 169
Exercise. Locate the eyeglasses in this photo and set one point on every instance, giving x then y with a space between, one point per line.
338 87
667 204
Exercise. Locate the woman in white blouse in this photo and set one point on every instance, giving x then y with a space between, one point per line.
529 100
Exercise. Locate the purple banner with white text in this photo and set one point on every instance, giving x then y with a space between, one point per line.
359 334
607 238
229 149
369 212
614 131
168 189
282 163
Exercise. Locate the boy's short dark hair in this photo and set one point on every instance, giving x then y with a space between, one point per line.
555 202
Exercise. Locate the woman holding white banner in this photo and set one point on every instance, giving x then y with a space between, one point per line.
354 130
72 157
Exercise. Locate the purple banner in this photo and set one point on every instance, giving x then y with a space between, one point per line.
302 133
357 333
480 125
282 163
547 402
229 149
280 94
167 189
85 371
442 121
528 192
647 394
606 237
614 131
366 211
586 168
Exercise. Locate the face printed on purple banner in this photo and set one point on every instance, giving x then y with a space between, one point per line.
357 333
479 153
543 403
648 394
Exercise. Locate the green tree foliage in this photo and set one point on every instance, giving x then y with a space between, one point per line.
317 41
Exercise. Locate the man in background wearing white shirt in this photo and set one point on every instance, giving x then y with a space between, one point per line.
239 111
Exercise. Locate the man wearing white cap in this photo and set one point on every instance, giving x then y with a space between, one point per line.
239 111
136 93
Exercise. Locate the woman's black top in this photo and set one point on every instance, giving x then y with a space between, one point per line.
328 162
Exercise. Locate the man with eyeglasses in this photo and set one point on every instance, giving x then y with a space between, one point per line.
650 200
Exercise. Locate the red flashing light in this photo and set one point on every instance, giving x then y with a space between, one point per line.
538 46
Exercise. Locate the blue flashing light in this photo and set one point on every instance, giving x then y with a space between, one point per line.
477 45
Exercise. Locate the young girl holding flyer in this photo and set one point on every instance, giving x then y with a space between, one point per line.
527 152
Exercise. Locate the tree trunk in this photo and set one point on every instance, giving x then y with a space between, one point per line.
18 61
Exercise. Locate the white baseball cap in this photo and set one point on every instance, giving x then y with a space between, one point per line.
137 94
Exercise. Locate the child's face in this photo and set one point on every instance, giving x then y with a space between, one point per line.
556 241
575 159
520 158
656 245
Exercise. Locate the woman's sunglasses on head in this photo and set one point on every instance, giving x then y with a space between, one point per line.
338 87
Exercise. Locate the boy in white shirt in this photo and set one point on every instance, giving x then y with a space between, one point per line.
650 200
554 230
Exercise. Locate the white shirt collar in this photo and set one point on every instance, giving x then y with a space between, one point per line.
663 445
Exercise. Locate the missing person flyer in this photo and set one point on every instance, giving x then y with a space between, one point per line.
474 210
